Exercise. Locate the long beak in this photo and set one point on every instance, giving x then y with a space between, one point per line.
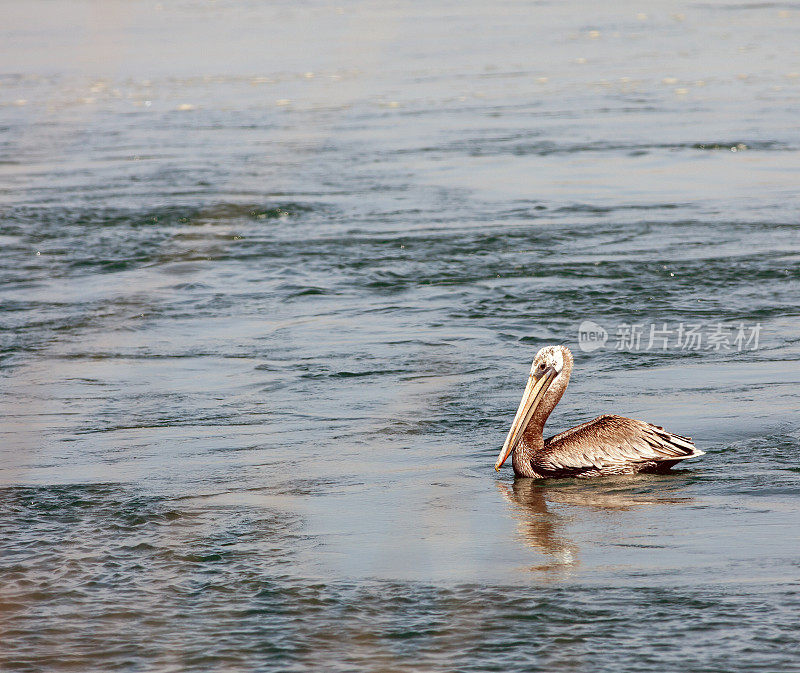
534 392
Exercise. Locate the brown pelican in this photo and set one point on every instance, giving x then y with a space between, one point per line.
607 445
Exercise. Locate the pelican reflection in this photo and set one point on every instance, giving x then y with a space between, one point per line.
544 512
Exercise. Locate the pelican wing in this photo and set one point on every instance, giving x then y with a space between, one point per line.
612 441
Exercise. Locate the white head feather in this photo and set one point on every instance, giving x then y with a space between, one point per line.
552 356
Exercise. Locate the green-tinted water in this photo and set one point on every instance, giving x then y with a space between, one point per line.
272 278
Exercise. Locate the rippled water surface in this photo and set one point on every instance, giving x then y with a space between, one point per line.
272 278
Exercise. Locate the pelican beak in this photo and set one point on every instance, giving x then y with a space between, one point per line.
534 392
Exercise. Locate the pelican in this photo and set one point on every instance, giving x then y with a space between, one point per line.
607 445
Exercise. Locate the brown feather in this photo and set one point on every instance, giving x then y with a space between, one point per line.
611 444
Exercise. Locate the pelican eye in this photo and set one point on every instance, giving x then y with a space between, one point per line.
542 366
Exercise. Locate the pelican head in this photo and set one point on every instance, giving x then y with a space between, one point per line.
546 367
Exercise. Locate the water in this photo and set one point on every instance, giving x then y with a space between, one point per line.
273 275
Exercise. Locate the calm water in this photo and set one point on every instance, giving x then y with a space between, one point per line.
272 278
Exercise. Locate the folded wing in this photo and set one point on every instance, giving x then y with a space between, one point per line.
609 443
